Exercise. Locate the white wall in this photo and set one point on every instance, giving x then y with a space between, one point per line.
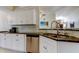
69 14
50 15
24 29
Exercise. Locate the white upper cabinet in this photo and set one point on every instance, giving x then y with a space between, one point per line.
23 17
4 25
19 16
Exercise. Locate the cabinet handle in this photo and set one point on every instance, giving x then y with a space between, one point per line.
44 47
4 38
17 40
17 35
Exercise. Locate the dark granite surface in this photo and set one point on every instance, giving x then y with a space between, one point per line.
52 36
75 29
63 38
26 33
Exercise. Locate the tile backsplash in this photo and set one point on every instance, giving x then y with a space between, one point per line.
24 29
71 33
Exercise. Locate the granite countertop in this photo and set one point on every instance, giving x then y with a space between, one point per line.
53 36
67 29
63 38
27 33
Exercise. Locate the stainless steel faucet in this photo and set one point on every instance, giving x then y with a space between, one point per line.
57 26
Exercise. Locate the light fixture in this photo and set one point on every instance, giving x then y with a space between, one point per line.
62 18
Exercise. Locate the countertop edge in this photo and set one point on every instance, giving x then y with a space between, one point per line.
61 39
37 34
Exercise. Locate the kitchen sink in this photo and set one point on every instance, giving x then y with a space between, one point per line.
55 35
61 37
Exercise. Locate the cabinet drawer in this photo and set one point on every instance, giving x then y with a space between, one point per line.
20 36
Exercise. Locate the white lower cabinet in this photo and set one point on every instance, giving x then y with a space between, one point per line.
9 41
13 41
68 47
19 43
47 45
52 46
2 40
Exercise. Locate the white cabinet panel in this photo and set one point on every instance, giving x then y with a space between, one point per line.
19 45
52 45
47 45
27 17
9 41
42 45
0 39
3 43
13 41
43 49
3 40
19 42
23 17
68 47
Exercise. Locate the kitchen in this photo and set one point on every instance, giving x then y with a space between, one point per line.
39 29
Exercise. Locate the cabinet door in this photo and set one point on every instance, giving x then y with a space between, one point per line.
68 47
27 17
9 41
48 45
42 45
3 40
19 42
43 49
23 17
51 46
0 38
